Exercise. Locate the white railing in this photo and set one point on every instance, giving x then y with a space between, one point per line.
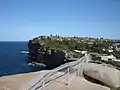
67 71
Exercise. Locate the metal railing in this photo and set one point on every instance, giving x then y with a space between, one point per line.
64 72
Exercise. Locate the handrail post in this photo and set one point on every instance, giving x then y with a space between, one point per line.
81 69
43 86
68 71
78 70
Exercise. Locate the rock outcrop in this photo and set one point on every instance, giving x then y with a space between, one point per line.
106 75
52 50
41 53
82 84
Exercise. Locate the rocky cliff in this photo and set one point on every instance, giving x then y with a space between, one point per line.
42 53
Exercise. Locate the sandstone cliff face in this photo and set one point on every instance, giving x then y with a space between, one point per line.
41 53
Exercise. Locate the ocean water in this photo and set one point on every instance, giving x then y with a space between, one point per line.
13 60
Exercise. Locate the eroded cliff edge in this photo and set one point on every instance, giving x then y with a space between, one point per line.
50 51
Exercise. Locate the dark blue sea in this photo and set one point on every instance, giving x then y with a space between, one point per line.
12 60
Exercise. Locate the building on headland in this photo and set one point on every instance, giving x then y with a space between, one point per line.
82 52
108 58
110 50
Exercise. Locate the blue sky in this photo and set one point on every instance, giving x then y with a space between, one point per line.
20 20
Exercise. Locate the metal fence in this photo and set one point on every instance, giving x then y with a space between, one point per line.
62 74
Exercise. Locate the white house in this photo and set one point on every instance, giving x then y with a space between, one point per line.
117 60
109 57
83 52
110 51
